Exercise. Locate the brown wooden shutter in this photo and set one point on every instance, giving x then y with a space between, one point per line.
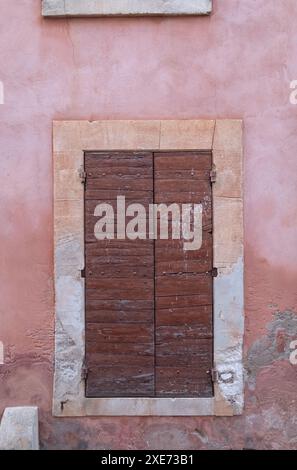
148 304
183 284
119 282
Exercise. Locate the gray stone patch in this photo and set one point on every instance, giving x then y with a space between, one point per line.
228 334
275 346
19 429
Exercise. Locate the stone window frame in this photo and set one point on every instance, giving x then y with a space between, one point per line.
62 8
70 140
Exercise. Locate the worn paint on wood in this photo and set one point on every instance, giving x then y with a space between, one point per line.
183 284
119 283
149 328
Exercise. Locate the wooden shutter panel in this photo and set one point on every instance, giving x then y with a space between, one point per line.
183 284
119 282
149 325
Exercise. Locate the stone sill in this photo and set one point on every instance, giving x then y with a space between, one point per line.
62 8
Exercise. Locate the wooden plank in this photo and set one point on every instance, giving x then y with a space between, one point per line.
184 352
117 159
97 315
198 188
184 284
189 174
120 333
118 293
124 260
181 267
106 195
183 301
124 284
144 247
182 197
119 289
134 359
98 270
122 170
123 381
185 331
119 183
97 250
173 250
119 311
183 382
182 161
126 350
91 204
186 316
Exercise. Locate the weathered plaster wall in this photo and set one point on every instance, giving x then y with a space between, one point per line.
238 63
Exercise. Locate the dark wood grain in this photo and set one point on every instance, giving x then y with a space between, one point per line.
125 381
184 381
183 283
119 282
149 326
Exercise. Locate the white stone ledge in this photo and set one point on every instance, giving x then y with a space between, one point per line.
125 7
19 429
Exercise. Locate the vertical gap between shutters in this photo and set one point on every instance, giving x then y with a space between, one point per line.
154 249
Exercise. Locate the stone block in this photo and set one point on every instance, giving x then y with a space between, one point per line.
19 429
125 7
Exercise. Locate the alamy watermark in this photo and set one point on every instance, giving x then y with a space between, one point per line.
184 220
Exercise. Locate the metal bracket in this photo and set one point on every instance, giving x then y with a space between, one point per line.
213 272
226 377
213 176
82 175
214 375
84 371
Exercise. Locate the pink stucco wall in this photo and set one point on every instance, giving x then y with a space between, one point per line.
236 64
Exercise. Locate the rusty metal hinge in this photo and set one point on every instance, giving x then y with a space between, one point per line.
213 176
82 175
84 371
214 375
213 272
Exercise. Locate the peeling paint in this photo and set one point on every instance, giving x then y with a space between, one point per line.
266 350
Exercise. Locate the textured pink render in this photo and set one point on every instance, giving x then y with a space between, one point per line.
237 63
